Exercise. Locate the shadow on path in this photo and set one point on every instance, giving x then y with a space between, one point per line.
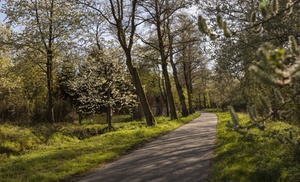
182 155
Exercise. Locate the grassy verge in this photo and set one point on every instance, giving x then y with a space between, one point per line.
258 157
60 161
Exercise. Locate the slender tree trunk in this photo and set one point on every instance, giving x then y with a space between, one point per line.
200 103
109 117
163 95
49 63
166 99
50 87
184 110
164 63
187 78
126 44
169 91
190 100
109 109
204 100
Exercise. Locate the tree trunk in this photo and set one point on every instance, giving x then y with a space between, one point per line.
109 109
164 96
50 66
164 63
109 117
184 110
140 91
169 91
204 100
50 87
200 103
137 113
126 44
188 82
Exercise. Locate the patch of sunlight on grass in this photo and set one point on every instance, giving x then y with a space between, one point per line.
66 156
258 156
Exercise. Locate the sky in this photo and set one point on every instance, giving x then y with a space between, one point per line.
2 16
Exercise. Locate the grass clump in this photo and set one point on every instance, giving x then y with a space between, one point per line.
257 156
61 161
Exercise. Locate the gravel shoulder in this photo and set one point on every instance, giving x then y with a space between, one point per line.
184 154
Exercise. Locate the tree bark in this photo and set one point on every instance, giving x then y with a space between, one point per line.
204 100
188 83
164 63
140 91
184 110
50 88
164 96
109 109
127 44
109 117
50 68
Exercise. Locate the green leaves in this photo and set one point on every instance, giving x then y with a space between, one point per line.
263 3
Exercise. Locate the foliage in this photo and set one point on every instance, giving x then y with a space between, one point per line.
102 81
276 63
258 156
72 157
45 29
277 68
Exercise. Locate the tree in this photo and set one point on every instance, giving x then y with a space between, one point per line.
102 81
160 13
237 54
46 27
189 55
171 37
122 17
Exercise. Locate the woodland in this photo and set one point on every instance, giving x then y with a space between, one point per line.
72 70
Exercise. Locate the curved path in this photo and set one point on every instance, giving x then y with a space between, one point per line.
182 155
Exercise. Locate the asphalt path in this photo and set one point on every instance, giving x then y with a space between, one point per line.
184 154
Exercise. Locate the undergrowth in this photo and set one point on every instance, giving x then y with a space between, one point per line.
58 153
257 156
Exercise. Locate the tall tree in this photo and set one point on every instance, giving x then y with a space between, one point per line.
44 26
122 17
171 37
189 55
159 12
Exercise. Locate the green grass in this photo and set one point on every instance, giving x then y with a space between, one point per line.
59 155
258 156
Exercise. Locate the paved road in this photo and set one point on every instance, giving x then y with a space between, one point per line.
182 155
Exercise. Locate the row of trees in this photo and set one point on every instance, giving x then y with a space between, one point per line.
73 55
60 57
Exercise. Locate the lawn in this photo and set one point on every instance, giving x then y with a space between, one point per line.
256 157
64 151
